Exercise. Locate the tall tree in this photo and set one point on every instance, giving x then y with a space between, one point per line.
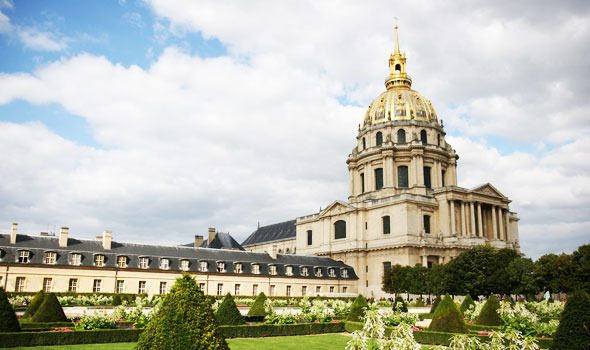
521 276
581 267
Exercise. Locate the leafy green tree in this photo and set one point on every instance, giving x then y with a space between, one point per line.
521 276
554 273
574 326
581 267
357 309
489 312
397 279
418 277
184 320
497 280
258 308
50 310
436 279
228 313
36 301
8 320
448 318
468 273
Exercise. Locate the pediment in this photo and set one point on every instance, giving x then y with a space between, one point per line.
336 208
488 190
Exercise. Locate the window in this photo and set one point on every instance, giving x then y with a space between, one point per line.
24 256
220 266
288 291
289 270
303 291
255 269
122 261
442 177
287 251
344 273
378 178
331 272
19 286
164 264
99 260
318 272
47 282
144 263
141 288
426 223
237 289
49 257
331 289
362 183
438 139
73 285
386 266
272 290
364 143
340 229
423 137
96 284
163 287
427 180
120 287
202 287
309 237
401 136
280 251
272 269
238 268
185 265
402 176
219 288
75 259
386 225
318 289
304 271
254 289
203 266
344 289
379 139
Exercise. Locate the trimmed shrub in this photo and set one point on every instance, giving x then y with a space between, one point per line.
435 304
116 300
467 302
50 310
574 325
10 340
273 330
257 309
184 320
399 304
8 320
489 313
34 304
448 318
357 309
420 302
228 313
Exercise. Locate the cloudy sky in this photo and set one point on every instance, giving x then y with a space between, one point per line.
157 119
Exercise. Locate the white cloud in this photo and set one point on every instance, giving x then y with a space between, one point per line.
5 26
41 41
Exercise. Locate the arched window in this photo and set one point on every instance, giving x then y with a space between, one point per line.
402 176
378 178
340 229
379 139
386 225
423 137
364 143
401 136
398 68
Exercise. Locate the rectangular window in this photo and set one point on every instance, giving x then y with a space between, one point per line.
427 180
272 290
386 266
318 289
184 265
288 291
75 259
255 269
202 286
331 289
23 256
303 291
122 261
19 286
99 260
442 177
289 270
344 289
386 225
238 268
309 237
120 287
318 272
141 289
219 288
163 287
340 229
331 272
254 289
144 263
96 286
164 264
47 282
426 223
304 271
378 178
220 267
344 273
50 257
204 266
272 269
73 285
237 289
362 183
402 176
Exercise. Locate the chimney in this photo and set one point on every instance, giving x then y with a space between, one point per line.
13 230
273 251
63 237
198 241
107 237
211 235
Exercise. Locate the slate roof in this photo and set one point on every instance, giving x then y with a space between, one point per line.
270 233
38 245
222 240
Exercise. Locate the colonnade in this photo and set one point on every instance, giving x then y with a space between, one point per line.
477 219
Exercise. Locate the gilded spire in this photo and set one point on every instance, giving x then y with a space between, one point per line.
398 78
396 37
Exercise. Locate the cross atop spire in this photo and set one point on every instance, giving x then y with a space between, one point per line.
396 37
398 78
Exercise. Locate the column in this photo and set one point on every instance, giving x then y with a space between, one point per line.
420 170
452 217
388 172
501 223
425 260
441 259
479 221
472 229
494 223
369 178
463 221
351 181
507 217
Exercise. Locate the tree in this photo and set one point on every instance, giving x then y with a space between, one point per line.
447 318
50 310
8 320
489 312
554 273
581 267
36 301
258 308
574 326
521 276
436 278
397 279
435 304
468 273
357 309
184 320
228 313
497 280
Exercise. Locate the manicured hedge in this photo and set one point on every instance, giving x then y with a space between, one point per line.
14 339
273 330
37 326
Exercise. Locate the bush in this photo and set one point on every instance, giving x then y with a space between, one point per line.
435 304
467 302
34 304
184 320
489 315
574 326
50 310
420 302
399 304
116 300
9 340
228 313
448 318
8 320
258 308
357 309
96 321
272 330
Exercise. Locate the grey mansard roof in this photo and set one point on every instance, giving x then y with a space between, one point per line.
222 240
270 233
38 245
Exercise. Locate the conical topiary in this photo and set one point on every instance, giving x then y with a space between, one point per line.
489 313
257 309
435 304
399 304
8 320
228 313
574 324
447 317
116 300
357 309
184 320
467 302
36 301
50 310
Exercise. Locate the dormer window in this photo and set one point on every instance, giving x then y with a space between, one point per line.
238 268
164 264
203 266
221 266
184 265
318 272
75 259
99 260
344 273
305 271
272 269
24 256
289 270
122 261
331 272
144 262
49 258
255 269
